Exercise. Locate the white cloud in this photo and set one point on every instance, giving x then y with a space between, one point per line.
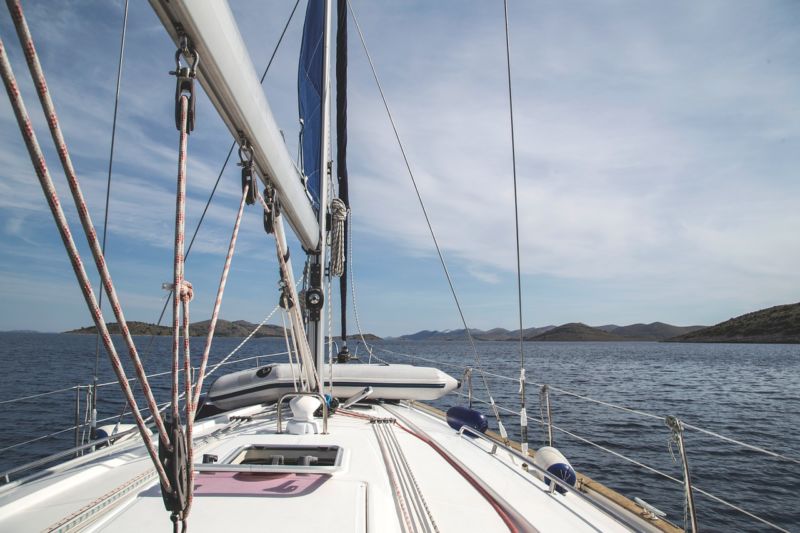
654 146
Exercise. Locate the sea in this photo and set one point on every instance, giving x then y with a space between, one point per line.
747 392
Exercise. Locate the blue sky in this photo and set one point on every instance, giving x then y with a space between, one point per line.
657 163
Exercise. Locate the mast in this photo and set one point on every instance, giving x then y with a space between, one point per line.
341 156
316 324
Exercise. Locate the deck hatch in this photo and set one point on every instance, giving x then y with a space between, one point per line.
300 456
280 459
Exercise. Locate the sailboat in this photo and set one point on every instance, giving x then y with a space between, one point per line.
319 442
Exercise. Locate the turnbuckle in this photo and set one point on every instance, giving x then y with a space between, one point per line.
248 166
185 76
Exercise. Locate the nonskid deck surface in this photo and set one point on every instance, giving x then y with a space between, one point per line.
118 491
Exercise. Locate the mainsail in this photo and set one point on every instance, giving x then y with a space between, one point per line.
310 78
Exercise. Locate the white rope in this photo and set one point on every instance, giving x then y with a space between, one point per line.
338 216
413 479
61 431
353 288
244 341
22 398
330 338
407 523
235 361
305 381
612 406
423 514
289 350
743 444
295 318
652 470
446 272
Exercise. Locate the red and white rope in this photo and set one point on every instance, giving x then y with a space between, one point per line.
37 73
182 294
218 302
46 182
179 290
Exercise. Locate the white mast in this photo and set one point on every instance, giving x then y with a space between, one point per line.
316 329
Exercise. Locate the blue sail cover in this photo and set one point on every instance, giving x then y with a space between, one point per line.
309 93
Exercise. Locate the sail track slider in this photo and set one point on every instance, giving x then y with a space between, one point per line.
185 76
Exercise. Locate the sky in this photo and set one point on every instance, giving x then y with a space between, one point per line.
657 157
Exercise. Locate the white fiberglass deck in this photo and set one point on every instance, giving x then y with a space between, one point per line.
355 496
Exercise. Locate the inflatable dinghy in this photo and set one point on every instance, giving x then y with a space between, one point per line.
389 382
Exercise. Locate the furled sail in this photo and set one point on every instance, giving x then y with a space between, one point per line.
310 78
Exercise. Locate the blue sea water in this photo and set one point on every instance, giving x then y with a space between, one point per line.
749 392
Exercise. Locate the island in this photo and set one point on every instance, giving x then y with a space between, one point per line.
775 325
225 328
570 332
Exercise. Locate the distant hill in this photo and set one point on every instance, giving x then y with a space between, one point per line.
500 334
775 325
577 332
657 331
530 333
446 335
136 328
496 334
225 328
357 338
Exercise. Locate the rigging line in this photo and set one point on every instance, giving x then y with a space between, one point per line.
159 374
221 172
244 341
637 412
54 203
21 398
424 210
349 261
523 423
168 298
56 433
110 166
676 480
743 444
218 301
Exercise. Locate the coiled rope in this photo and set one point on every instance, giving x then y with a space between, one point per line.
338 217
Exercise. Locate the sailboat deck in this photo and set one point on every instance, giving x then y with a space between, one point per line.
118 491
